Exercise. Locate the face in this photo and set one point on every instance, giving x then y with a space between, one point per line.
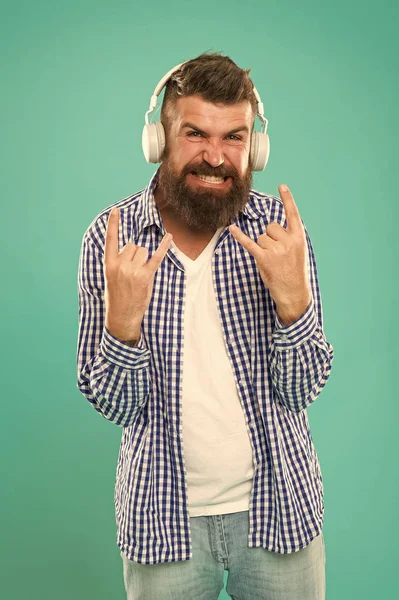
206 174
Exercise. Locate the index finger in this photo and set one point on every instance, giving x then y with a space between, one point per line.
111 235
159 253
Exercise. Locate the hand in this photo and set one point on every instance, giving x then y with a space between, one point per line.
129 281
282 257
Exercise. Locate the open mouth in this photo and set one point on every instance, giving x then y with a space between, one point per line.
210 180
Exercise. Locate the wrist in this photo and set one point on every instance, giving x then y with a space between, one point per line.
127 337
288 313
131 343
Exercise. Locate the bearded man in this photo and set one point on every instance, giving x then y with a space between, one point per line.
201 335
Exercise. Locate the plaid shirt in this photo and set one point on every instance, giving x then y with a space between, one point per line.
279 371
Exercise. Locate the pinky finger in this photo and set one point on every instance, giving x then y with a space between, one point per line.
160 253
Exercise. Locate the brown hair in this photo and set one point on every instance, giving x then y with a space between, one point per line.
214 77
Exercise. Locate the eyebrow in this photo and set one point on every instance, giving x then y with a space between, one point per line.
192 126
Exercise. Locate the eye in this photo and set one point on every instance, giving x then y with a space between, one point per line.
231 137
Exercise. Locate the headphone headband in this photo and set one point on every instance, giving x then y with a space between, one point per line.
162 82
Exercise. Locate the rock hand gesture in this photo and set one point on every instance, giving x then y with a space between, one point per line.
282 259
129 280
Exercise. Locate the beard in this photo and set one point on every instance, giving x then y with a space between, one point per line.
201 208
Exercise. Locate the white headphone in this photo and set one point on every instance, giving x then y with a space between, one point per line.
153 138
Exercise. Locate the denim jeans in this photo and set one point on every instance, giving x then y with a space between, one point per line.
219 544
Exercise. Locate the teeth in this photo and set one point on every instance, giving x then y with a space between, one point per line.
211 179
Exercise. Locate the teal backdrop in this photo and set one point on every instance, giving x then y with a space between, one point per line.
76 80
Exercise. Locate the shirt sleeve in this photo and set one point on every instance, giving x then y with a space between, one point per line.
300 357
113 376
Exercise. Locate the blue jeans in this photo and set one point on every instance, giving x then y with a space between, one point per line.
219 544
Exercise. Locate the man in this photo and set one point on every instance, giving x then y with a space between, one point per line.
201 334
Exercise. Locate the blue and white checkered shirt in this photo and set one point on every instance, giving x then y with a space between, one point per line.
279 371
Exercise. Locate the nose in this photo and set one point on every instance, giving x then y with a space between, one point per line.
213 154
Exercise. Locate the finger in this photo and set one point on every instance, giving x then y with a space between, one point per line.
111 236
291 210
274 233
140 258
128 251
245 241
265 241
159 253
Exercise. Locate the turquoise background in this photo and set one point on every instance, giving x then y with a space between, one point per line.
76 81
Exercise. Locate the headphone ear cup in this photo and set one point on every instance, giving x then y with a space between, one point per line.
153 141
260 150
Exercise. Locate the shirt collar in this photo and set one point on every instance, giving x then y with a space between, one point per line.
147 210
150 215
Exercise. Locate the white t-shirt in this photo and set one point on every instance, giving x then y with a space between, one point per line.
216 444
